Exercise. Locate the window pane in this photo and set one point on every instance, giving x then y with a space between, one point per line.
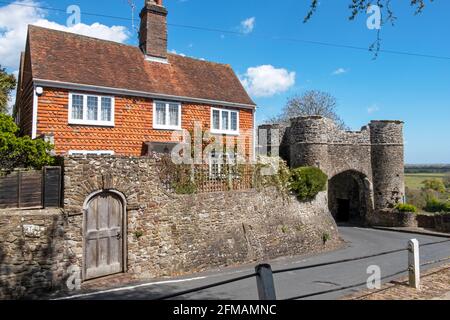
173 114
92 108
234 124
225 122
106 109
77 107
216 119
160 113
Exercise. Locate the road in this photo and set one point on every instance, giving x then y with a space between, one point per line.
360 242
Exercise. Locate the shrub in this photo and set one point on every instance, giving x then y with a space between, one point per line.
139 234
446 180
21 151
185 188
417 198
434 205
434 184
326 237
307 182
406 208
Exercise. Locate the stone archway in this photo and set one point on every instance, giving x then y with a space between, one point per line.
349 197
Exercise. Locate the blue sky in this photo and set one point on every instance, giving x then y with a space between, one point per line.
413 89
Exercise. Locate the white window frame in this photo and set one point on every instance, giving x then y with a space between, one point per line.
85 121
220 160
221 130
92 152
167 126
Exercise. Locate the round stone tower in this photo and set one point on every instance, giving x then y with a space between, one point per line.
308 138
387 163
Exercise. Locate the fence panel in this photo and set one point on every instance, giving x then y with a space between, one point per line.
31 188
224 179
52 187
9 190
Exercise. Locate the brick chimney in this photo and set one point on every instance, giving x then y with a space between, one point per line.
153 30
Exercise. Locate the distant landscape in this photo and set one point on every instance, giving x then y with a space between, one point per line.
427 168
428 187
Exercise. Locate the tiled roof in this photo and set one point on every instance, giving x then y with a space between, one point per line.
67 57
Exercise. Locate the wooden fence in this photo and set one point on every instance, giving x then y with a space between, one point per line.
208 178
31 188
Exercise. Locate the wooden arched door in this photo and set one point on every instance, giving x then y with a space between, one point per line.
103 236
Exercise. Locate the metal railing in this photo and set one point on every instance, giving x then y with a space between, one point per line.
266 285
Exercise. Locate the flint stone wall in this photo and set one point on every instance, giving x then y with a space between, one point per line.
36 251
167 234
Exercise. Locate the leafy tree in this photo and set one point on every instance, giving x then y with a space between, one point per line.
21 151
360 6
7 84
310 103
434 184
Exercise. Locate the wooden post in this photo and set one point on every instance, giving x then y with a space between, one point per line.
264 280
44 179
19 183
414 263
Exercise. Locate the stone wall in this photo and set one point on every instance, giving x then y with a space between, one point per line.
167 234
33 252
186 233
438 222
434 221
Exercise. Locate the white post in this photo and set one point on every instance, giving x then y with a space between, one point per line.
414 263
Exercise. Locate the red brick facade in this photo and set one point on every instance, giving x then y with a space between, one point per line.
133 125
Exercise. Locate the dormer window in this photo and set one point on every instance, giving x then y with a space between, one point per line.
87 109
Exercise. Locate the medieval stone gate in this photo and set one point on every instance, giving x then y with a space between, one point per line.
365 168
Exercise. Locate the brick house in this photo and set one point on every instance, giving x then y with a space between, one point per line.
91 96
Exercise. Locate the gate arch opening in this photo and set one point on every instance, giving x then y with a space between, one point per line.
349 197
104 234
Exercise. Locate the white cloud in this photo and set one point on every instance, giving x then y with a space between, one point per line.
372 109
340 71
267 81
248 25
175 52
14 21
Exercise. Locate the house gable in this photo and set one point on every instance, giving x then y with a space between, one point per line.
75 81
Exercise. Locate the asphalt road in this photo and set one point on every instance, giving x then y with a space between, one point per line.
360 242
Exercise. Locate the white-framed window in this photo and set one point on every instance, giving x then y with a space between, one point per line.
224 121
91 152
167 115
89 109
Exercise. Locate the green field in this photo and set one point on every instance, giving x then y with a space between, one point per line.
414 180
